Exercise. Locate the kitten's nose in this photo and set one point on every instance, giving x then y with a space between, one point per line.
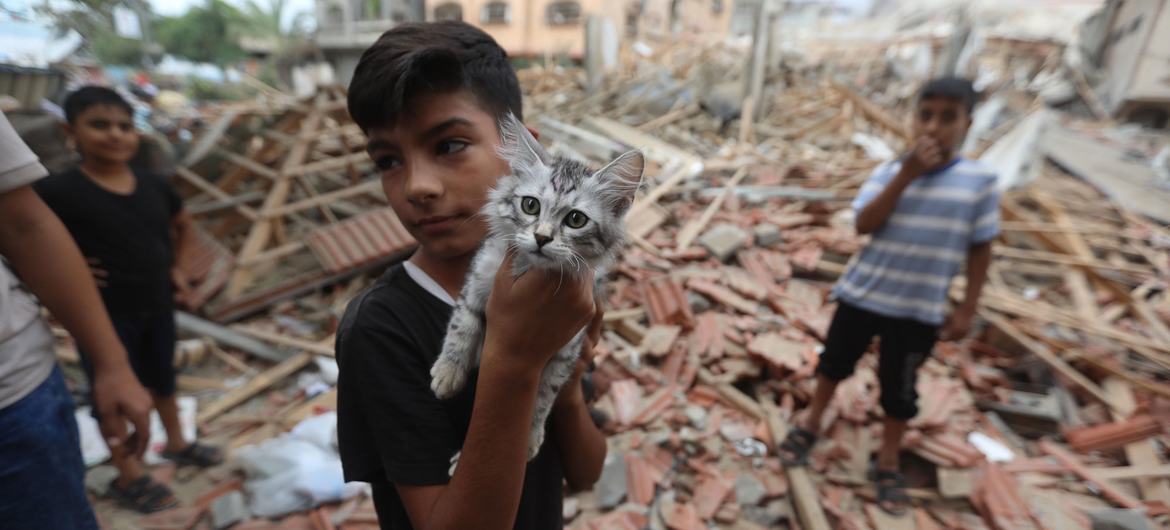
541 240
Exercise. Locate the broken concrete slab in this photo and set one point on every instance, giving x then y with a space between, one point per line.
767 235
1118 520
749 491
723 240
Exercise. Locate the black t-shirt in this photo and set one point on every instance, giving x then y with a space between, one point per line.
391 429
128 235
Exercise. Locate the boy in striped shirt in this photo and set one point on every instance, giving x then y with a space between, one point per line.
929 213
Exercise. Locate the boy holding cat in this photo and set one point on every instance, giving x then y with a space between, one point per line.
429 97
928 213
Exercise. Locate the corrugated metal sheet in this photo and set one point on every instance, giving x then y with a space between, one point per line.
359 240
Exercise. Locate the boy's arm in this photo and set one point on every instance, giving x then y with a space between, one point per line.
485 489
959 323
43 253
184 232
873 215
582 444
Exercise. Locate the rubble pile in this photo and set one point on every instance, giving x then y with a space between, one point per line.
1051 415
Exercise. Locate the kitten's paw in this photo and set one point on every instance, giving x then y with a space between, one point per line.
534 442
447 378
454 463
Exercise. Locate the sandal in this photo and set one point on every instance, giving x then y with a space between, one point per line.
196 454
796 447
891 492
144 495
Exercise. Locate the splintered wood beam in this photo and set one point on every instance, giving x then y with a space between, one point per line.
1053 361
874 113
254 386
262 230
370 186
210 189
687 235
806 499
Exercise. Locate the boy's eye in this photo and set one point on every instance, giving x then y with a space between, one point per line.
576 219
530 205
924 115
386 163
449 147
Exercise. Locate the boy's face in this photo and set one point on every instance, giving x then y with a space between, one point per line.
945 120
437 164
105 133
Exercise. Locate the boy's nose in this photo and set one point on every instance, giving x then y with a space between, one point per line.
422 186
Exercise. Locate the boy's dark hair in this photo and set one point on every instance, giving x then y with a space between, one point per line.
431 57
90 96
950 88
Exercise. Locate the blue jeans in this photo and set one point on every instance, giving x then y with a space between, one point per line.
42 476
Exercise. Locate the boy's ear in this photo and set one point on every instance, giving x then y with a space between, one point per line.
519 148
535 133
621 179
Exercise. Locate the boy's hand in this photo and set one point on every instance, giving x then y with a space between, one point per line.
182 285
118 398
572 389
958 325
927 154
530 317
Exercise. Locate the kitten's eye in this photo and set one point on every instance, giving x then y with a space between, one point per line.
530 205
576 219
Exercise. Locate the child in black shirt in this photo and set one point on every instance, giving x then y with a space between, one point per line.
123 221
428 97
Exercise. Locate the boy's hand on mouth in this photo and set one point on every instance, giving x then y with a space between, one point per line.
927 154
531 317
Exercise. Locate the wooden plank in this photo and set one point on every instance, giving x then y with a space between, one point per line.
254 386
687 235
369 186
806 499
276 253
1051 257
875 114
212 190
652 147
1056 363
1141 455
282 340
247 163
262 230
680 174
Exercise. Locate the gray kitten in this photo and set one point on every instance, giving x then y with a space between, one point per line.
556 214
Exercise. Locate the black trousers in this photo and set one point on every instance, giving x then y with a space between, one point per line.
905 345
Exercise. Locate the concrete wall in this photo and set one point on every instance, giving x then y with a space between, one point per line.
1151 79
1129 34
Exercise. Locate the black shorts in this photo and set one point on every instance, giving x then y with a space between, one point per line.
905 345
150 343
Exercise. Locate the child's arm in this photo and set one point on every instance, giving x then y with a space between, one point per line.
183 229
582 444
959 323
926 154
42 252
485 490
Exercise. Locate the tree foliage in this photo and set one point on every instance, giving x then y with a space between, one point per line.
207 33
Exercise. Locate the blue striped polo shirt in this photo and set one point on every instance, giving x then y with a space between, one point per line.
907 267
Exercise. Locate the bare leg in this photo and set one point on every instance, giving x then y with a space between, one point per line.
821 397
892 431
168 412
130 468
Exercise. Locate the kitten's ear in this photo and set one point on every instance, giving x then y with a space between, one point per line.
517 147
620 180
